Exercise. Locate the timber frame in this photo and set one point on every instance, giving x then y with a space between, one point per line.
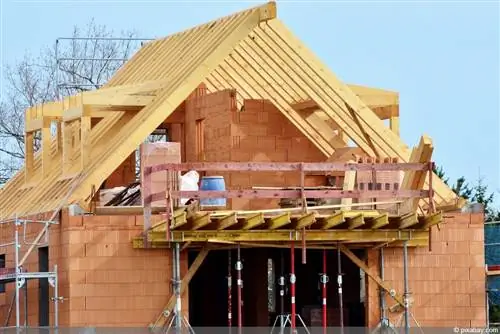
251 52
320 226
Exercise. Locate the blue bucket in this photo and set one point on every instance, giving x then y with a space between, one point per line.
215 183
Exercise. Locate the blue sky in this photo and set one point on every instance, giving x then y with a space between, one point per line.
443 57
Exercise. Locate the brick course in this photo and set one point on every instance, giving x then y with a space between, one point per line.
447 284
98 271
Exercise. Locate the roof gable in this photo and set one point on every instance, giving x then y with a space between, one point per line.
251 51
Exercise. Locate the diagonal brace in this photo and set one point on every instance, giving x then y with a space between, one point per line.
374 276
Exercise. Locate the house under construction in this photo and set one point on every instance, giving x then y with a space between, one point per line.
96 226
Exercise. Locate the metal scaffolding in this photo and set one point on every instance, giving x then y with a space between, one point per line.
20 277
60 84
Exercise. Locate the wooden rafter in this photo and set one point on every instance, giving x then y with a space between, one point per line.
334 97
415 180
250 51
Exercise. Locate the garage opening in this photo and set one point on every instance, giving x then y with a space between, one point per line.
262 268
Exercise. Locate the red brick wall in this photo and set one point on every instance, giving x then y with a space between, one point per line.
447 284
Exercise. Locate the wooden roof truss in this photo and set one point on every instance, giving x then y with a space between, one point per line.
251 51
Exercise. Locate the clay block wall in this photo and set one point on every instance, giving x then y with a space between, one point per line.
154 154
261 133
447 284
215 111
31 264
112 284
123 175
104 281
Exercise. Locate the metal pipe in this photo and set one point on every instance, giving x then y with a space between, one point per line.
16 254
339 281
304 210
57 70
405 275
178 306
94 59
324 280
239 267
56 298
382 291
292 286
106 38
282 291
26 304
229 291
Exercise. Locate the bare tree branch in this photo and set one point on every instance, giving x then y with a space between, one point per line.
34 80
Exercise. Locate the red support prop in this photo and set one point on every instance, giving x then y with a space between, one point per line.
304 210
292 286
229 292
239 267
324 281
169 207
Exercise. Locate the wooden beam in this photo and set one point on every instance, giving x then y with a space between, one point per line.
373 275
334 97
333 220
85 144
433 219
180 219
240 73
379 221
67 146
266 235
384 108
200 258
74 114
334 136
133 210
46 148
394 122
252 221
305 105
349 183
59 136
375 97
186 74
408 220
415 180
305 221
279 221
29 164
345 154
227 221
199 221
34 125
355 222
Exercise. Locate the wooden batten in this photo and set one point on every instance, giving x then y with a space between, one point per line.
29 156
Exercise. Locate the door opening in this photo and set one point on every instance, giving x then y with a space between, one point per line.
43 288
